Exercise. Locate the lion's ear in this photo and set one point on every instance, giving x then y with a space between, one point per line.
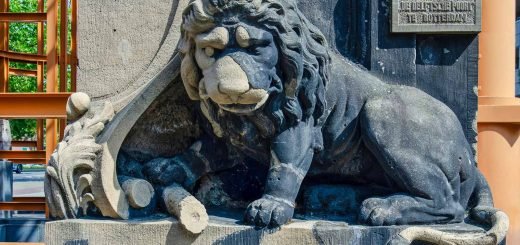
190 77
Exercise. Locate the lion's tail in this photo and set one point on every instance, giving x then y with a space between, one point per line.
482 212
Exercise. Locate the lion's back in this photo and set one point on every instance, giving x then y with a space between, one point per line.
411 122
402 118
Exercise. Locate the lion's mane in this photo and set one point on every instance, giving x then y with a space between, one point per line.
303 63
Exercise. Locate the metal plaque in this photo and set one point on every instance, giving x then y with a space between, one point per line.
436 16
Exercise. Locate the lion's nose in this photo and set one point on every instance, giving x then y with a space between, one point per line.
231 78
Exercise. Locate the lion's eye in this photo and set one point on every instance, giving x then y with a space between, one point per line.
209 51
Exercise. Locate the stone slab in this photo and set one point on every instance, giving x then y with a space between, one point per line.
436 16
221 230
122 45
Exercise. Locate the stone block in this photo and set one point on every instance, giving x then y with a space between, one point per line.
223 229
123 44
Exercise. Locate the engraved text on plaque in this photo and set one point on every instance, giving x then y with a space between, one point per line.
434 16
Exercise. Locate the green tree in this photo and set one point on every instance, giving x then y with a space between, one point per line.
23 38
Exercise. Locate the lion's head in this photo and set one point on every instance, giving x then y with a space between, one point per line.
243 55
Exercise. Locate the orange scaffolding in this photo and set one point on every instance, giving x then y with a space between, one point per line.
46 105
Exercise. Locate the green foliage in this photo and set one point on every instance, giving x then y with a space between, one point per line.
21 128
22 84
23 38
23 6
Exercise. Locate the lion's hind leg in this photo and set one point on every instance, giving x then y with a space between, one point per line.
425 197
420 158
403 209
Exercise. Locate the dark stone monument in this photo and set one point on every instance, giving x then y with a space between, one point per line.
282 109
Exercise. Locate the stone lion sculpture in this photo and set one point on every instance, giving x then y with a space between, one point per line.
269 87
261 71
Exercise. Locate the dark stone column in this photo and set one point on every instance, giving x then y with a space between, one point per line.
6 168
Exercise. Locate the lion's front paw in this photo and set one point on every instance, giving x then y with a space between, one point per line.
272 212
378 211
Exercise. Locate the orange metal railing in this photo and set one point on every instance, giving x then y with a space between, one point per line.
46 105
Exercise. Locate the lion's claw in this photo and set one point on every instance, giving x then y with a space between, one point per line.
268 212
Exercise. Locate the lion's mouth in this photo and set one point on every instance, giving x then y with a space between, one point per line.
244 108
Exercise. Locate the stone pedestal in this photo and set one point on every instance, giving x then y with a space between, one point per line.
222 230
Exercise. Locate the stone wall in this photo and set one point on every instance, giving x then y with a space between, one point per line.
122 44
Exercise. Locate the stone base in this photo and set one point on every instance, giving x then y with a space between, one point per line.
222 230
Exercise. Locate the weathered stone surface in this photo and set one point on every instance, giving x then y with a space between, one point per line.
89 153
5 135
224 230
77 105
159 134
337 202
188 210
74 176
138 192
436 16
123 45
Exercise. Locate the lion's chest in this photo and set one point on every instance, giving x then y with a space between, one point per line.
245 136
